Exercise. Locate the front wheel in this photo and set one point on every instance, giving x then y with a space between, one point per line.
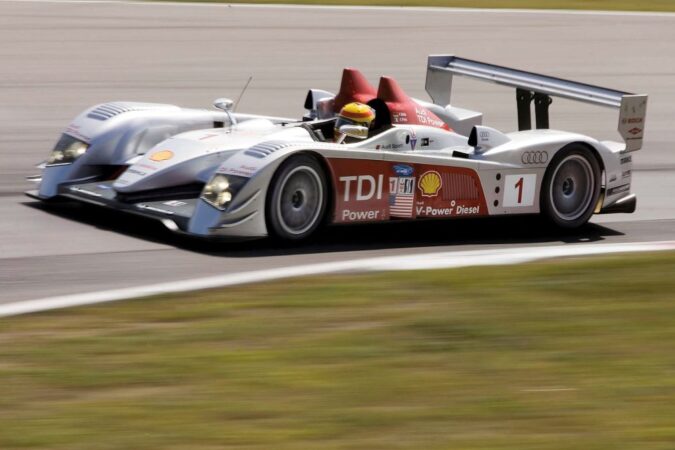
296 201
571 187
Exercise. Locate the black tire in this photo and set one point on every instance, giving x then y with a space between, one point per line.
296 199
571 187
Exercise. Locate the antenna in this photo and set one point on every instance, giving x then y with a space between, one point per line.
242 93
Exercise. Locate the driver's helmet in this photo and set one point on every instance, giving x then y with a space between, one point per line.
354 114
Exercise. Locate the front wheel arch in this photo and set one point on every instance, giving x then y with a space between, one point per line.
303 167
330 185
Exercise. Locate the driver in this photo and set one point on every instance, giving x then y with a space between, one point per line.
354 113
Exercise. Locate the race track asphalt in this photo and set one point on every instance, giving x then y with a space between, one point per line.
59 58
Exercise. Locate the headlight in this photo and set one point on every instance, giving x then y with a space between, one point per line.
67 150
220 190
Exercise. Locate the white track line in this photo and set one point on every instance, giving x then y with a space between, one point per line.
364 8
385 263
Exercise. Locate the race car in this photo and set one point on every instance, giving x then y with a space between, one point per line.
221 174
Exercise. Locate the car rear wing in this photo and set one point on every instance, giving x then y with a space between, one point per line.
538 88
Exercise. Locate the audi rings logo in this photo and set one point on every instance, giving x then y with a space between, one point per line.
534 157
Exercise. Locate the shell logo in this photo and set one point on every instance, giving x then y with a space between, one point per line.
161 155
430 183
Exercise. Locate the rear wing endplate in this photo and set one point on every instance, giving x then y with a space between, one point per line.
538 88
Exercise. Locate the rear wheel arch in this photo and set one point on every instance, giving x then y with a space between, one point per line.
595 152
571 185
598 158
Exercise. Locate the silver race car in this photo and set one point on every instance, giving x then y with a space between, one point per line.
226 174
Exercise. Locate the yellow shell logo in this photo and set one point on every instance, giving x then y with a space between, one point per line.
161 155
430 183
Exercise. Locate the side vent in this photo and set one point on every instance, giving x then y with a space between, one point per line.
264 149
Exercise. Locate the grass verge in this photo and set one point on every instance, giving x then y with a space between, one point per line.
557 355
600 5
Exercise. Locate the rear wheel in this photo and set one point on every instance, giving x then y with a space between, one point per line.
571 187
296 202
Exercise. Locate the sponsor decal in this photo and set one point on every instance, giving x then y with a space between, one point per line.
413 139
635 130
401 196
618 189
467 210
626 160
534 157
85 191
133 171
402 191
423 118
430 183
174 203
376 190
241 171
357 216
632 120
403 170
153 208
625 174
432 211
361 193
399 117
366 187
389 147
454 209
162 155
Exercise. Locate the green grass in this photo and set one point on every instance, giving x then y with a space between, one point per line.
576 354
619 5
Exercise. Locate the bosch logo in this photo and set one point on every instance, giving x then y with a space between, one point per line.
534 157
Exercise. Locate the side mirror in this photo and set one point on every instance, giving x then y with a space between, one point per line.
224 104
354 131
319 104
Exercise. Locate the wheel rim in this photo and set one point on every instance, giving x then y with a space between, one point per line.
572 187
300 200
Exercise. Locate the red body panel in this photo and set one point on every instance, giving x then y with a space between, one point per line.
375 191
353 88
403 109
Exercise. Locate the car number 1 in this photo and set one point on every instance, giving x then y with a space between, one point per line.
519 190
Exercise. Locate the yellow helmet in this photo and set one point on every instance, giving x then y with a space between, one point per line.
355 114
